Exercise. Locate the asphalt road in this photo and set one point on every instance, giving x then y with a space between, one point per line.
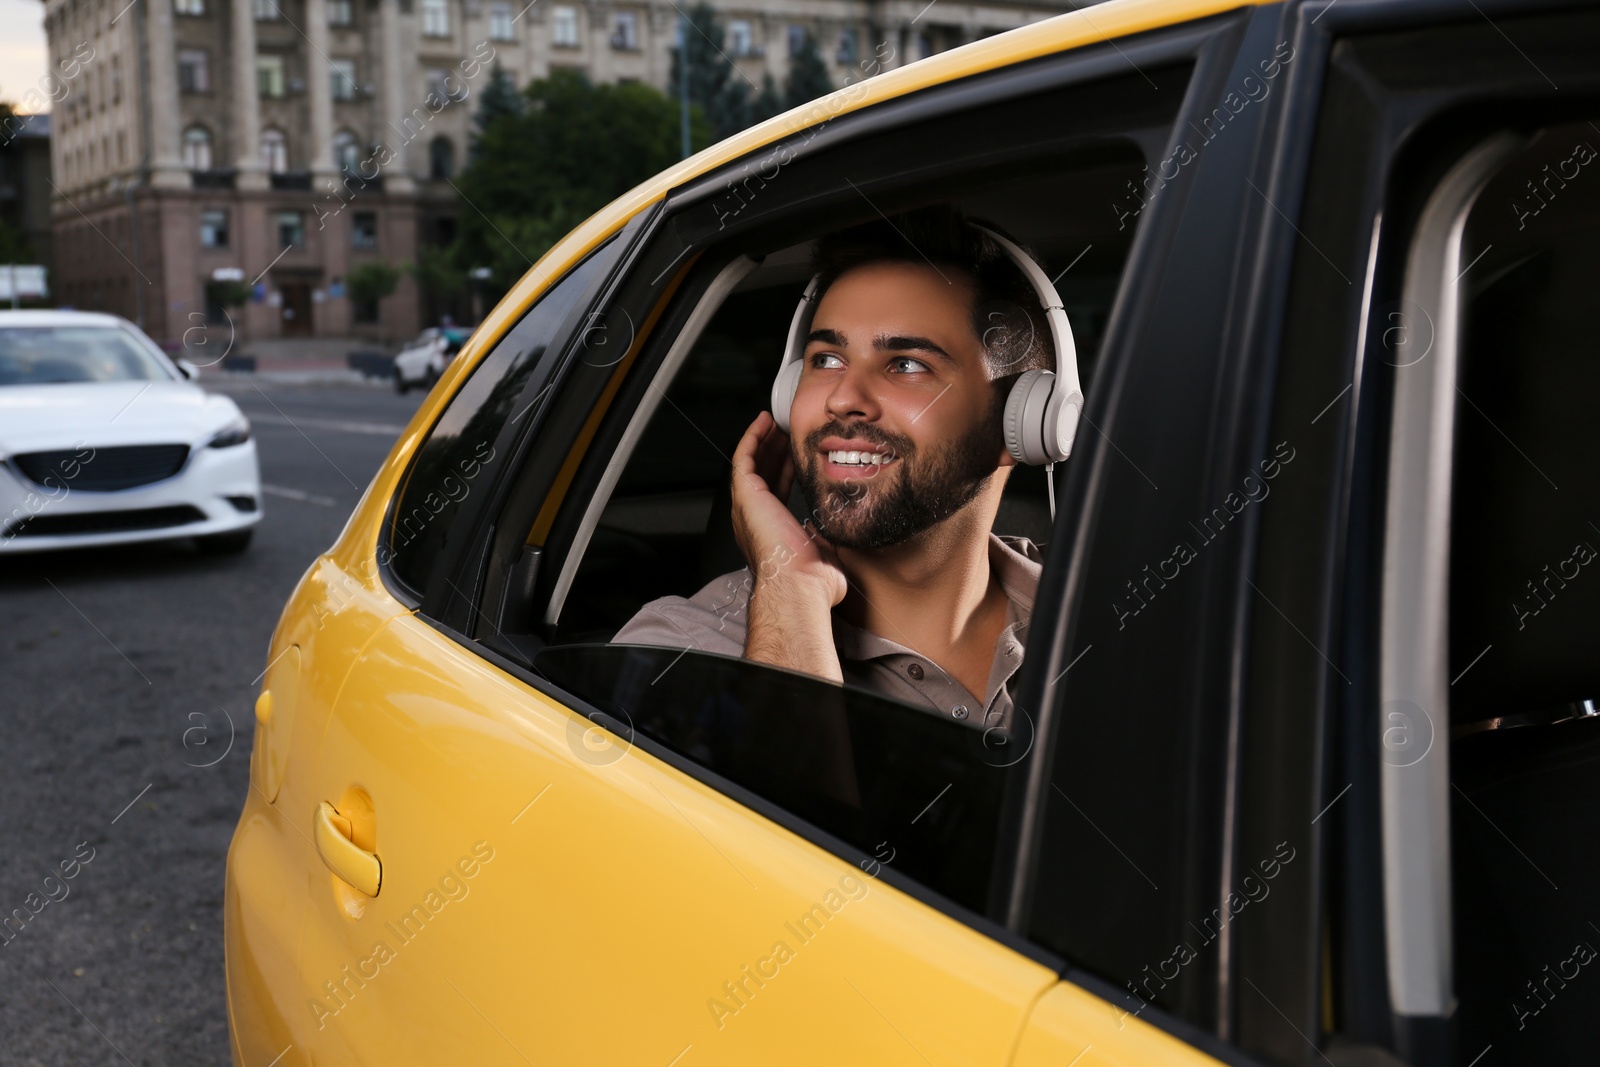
127 683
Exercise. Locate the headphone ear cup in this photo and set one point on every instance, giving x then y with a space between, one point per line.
1027 406
784 386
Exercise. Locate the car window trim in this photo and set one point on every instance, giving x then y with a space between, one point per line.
706 307
1414 627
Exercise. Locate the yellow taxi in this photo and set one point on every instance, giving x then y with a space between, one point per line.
1307 713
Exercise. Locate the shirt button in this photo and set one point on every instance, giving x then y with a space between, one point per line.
915 670
959 711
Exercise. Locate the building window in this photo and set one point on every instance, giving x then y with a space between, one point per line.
194 73
346 151
797 40
269 75
214 228
274 151
189 7
847 46
266 10
625 32
564 27
364 230
343 73
501 22
291 229
436 18
442 158
197 148
438 85
340 13
741 42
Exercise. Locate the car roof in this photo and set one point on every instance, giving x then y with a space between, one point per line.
53 317
1061 33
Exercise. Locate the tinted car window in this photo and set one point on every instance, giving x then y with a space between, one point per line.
918 794
460 452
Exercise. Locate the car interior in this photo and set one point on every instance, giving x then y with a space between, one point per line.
1525 605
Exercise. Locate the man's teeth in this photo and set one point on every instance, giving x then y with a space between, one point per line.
860 459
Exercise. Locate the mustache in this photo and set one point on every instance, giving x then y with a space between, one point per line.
860 431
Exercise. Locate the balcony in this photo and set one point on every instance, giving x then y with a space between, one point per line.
215 178
291 180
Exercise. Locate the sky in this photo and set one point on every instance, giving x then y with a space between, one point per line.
23 57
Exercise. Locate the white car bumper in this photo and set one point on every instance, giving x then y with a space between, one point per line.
217 490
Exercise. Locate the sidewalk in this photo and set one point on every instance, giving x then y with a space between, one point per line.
299 360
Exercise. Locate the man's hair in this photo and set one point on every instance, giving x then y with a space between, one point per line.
1006 315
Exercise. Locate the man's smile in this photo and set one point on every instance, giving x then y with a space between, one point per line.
841 460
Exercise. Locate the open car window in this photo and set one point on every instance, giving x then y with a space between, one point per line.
676 360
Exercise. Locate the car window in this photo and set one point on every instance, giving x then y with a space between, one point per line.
676 361
1524 610
46 355
461 450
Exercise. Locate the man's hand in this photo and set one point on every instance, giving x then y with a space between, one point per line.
797 575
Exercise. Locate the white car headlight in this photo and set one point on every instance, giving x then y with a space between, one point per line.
235 433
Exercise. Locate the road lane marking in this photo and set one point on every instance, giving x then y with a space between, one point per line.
298 494
382 429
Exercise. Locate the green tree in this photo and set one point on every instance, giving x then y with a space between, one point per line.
768 103
499 99
368 283
575 148
808 75
14 245
718 89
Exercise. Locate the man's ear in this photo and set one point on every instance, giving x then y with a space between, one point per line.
1002 394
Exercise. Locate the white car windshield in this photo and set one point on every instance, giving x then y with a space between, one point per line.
39 355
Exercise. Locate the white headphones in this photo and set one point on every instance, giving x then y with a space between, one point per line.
1042 409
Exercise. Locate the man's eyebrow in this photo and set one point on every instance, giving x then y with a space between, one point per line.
884 343
900 343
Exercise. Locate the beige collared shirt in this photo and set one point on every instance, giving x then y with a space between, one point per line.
715 620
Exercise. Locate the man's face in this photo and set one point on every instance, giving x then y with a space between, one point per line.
895 425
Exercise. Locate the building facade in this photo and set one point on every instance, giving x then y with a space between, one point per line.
208 149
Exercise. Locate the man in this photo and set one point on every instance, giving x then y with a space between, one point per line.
895 581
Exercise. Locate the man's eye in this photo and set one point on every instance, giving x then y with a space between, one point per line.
907 365
826 361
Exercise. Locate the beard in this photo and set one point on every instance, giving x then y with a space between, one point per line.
910 495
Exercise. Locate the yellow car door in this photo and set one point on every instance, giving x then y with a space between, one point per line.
550 894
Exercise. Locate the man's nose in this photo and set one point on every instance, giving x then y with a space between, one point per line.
852 396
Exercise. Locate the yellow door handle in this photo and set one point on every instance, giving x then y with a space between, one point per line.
354 864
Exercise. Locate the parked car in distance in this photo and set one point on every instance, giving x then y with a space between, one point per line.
106 440
420 363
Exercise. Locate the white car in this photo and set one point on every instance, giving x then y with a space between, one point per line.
104 440
421 362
